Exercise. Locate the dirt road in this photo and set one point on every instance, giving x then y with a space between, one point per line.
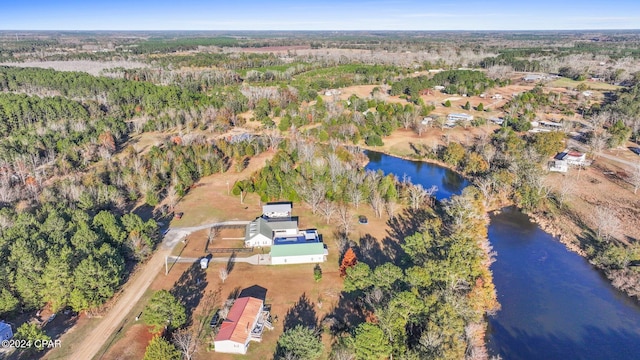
114 319
133 291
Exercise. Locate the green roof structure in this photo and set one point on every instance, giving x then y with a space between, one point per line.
314 248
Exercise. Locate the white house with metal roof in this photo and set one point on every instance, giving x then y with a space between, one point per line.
278 230
261 231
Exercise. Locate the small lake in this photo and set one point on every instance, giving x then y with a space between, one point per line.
448 182
555 305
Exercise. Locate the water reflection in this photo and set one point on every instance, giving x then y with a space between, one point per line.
426 174
555 305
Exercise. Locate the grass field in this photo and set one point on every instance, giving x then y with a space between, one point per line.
592 85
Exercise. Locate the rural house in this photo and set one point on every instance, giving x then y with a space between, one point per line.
245 322
452 119
289 245
574 158
261 231
533 77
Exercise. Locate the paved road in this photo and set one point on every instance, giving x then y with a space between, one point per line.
133 290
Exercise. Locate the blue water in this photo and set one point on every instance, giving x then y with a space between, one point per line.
555 305
448 182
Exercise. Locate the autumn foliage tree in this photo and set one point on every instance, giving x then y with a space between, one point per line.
348 261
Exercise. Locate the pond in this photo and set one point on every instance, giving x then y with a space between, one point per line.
555 305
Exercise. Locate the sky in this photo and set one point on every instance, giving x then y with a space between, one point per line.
318 15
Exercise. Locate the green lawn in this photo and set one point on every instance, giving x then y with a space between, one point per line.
592 85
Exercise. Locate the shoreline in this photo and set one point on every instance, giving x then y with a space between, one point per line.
478 339
553 227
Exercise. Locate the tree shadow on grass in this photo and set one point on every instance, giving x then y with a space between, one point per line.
347 314
302 313
189 288
407 223
231 263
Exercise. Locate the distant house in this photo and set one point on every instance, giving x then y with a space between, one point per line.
533 77
5 331
574 158
550 125
558 166
452 119
426 121
498 121
241 326
587 93
438 87
496 97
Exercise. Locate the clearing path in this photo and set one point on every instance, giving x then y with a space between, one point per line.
133 290
258 259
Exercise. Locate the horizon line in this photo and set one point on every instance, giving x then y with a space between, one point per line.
317 30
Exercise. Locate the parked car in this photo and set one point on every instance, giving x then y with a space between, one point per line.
215 319
635 150
363 219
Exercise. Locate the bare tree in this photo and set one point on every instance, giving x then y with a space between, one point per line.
566 188
598 141
606 222
416 194
391 206
485 185
407 119
186 340
635 178
344 218
224 274
327 208
172 197
313 193
377 203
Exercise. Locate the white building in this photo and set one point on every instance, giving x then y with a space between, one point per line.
574 158
277 210
241 326
5 331
298 253
261 231
533 77
453 119
550 125
558 166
